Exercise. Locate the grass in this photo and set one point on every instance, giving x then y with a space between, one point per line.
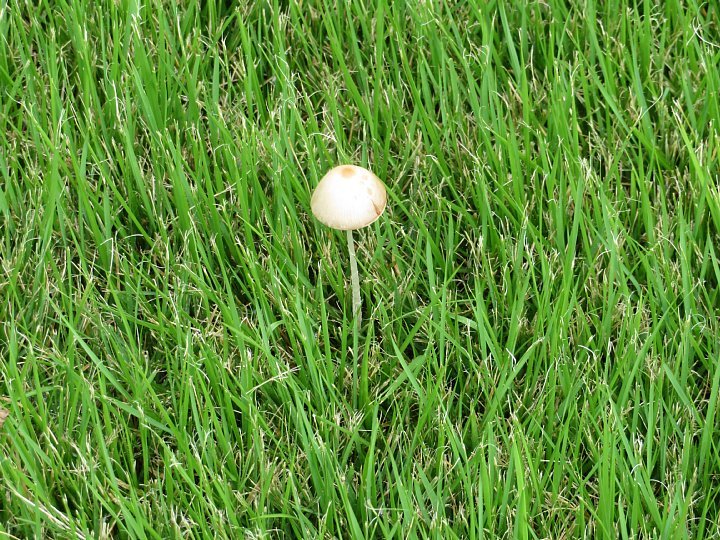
539 354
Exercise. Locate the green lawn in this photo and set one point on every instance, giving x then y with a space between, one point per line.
539 355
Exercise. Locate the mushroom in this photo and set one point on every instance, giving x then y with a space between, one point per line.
349 198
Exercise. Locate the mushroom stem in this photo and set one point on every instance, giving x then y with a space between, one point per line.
357 315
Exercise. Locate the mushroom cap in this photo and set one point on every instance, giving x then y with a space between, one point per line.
348 198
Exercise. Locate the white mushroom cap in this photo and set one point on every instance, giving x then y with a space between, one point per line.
348 197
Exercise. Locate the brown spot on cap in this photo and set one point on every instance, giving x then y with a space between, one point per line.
347 171
378 211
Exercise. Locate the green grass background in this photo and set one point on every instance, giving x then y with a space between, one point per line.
539 354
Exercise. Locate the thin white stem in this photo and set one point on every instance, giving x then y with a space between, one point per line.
357 315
